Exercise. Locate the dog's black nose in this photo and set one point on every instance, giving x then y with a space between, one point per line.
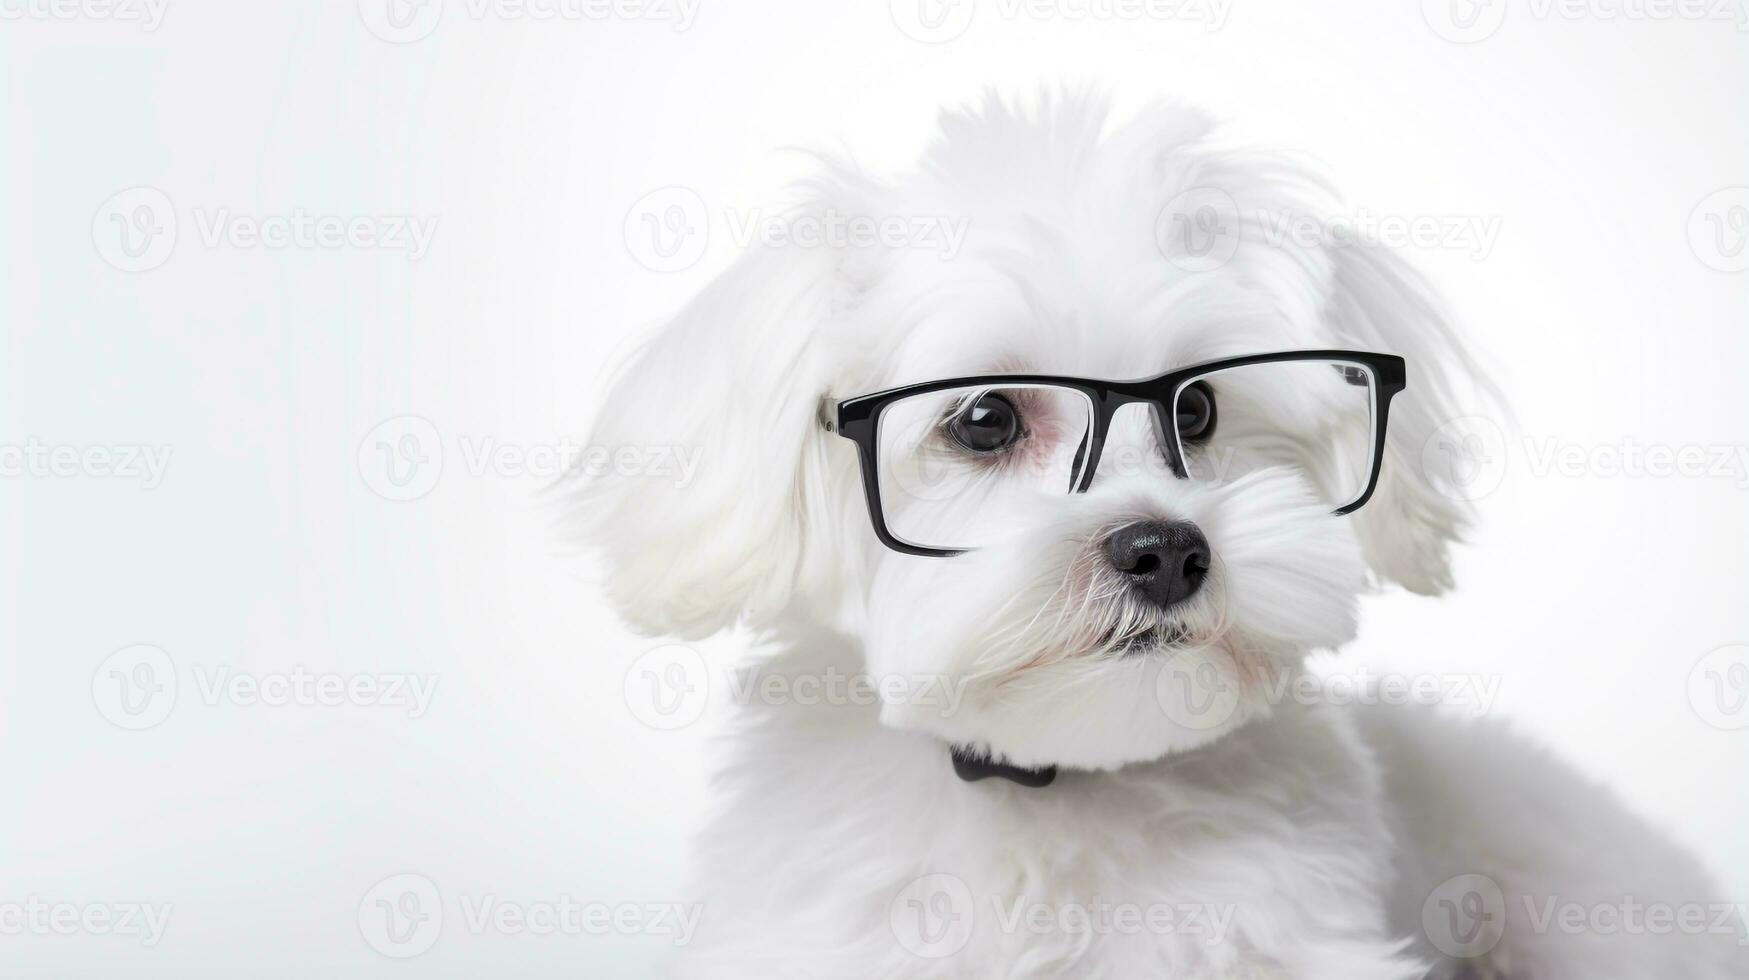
1166 563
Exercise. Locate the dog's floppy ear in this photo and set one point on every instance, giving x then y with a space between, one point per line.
731 383
1377 302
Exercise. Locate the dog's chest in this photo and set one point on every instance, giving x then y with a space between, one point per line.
1201 866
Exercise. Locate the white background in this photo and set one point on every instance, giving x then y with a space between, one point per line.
1591 139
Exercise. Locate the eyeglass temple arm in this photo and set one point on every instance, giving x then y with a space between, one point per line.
824 413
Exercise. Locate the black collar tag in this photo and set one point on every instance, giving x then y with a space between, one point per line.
973 767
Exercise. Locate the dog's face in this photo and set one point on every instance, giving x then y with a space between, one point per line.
1146 614
1149 613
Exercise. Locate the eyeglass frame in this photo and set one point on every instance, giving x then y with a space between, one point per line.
858 419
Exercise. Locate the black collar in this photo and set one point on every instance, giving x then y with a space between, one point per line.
972 765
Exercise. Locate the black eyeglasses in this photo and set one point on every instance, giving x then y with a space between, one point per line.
947 465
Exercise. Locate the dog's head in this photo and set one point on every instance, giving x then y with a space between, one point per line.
1141 615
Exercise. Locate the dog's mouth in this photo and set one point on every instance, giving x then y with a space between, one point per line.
1147 641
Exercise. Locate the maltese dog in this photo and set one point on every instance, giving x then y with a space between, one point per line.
1070 504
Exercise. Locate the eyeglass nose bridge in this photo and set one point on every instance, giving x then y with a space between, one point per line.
1106 405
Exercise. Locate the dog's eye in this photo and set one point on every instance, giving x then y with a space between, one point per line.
1196 412
987 425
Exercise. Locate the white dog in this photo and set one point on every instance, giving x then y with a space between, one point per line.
1087 564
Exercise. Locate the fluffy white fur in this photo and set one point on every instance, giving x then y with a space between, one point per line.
1322 831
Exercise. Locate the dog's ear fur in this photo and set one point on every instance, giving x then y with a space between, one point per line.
1377 302
732 379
